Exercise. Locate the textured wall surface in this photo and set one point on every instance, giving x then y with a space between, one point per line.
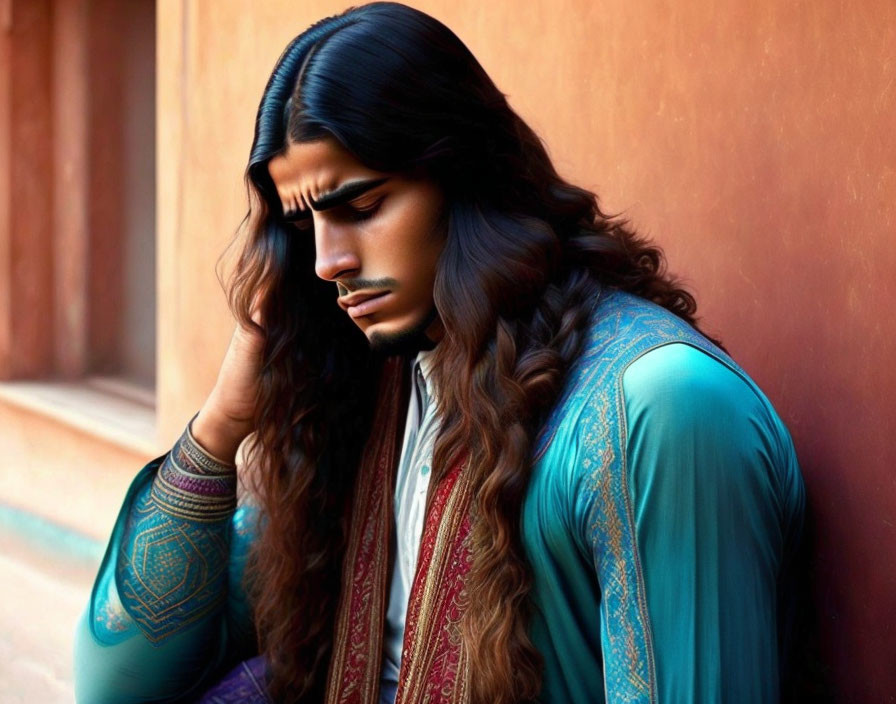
755 144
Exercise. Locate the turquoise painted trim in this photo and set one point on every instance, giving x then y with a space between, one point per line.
51 536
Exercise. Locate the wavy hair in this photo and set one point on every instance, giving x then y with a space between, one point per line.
526 257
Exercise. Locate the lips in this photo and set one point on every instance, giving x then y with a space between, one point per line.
361 302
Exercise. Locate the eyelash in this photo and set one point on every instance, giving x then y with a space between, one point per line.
351 214
301 225
361 214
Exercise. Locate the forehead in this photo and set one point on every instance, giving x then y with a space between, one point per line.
315 167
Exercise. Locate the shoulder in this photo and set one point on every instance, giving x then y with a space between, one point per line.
680 380
692 420
651 364
677 390
623 330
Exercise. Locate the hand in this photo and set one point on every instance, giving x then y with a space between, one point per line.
226 417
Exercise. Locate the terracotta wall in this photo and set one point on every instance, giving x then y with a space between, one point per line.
138 340
25 181
77 214
756 144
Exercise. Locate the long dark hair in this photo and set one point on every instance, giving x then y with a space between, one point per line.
526 257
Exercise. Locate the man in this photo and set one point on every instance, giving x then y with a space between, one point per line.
492 459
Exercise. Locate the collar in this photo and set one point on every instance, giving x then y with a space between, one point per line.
423 363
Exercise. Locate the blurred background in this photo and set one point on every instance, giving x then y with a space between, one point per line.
755 142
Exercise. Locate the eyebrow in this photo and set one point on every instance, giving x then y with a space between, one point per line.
338 196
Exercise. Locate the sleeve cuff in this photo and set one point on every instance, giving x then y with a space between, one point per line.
193 484
202 457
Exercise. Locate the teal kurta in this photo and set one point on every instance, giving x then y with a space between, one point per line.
664 507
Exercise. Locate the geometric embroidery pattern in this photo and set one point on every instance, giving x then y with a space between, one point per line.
171 572
172 567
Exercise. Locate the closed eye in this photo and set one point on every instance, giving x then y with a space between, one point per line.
301 224
359 213
344 213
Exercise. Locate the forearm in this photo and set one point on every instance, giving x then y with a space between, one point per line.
155 627
172 566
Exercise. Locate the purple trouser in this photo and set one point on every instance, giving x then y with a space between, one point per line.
244 684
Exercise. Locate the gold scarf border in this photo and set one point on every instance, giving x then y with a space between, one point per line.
434 665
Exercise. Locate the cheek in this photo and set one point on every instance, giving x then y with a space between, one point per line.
407 240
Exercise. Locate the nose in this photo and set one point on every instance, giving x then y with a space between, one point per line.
335 252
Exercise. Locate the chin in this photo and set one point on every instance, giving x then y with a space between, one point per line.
408 340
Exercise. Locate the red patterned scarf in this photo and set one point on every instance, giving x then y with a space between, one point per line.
434 666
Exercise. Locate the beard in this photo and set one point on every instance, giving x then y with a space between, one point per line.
408 341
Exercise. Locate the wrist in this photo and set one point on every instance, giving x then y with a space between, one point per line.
217 434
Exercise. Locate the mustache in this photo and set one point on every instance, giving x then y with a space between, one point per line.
351 285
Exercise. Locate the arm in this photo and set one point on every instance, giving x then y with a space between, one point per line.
168 610
716 499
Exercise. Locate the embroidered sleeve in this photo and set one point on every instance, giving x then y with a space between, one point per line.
168 609
172 566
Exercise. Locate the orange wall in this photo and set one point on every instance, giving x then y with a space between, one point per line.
755 144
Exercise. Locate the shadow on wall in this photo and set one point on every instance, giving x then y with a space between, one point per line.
807 678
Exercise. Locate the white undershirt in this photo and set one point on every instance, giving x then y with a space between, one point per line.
411 485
